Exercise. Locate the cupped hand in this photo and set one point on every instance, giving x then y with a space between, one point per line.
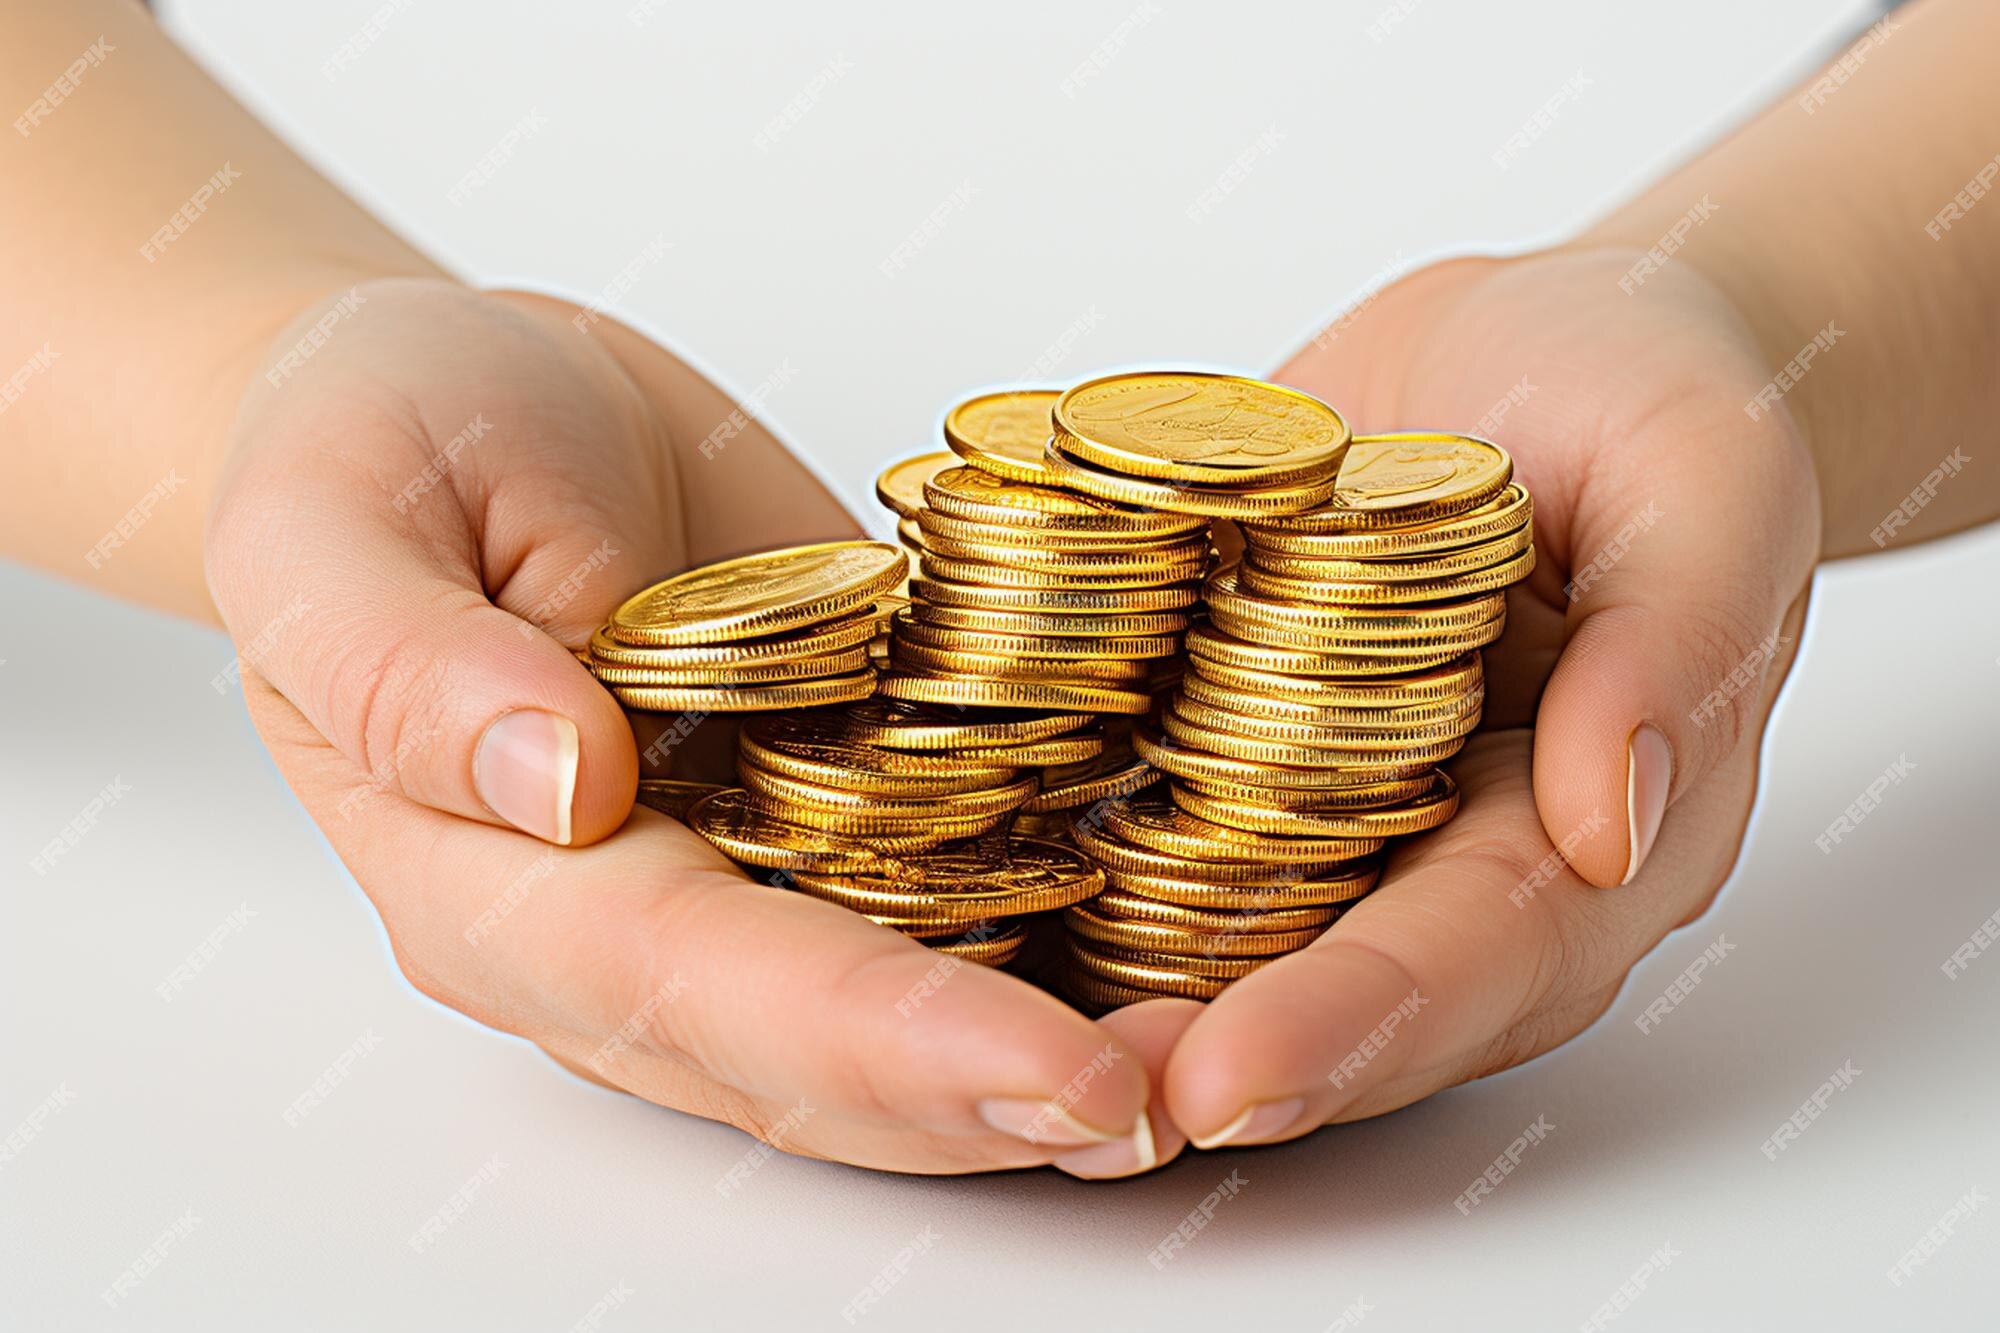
1606 795
431 497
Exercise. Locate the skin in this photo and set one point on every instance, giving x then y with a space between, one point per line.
642 959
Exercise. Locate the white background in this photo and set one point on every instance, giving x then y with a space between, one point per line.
1077 218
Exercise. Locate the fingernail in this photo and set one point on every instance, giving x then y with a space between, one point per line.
1121 1157
1649 772
525 771
1258 1122
1038 1122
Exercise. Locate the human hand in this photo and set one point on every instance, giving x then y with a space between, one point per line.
1687 530
416 524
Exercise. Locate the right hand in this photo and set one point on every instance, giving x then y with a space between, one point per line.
408 659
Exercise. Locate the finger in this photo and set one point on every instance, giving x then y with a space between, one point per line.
649 946
1149 1030
1677 589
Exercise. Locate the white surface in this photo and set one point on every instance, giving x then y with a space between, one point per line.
1079 206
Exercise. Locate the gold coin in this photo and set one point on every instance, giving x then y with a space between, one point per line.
1226 596
1070 749
802 745
674 798
1096 992
1347 592
1427 811
1050 557
1126 601
1123 906
901 726
884 820
1512 510
1151 820
976 692
760 594
796 797
993 878
1268 793
749 699
974 495
1195 764
911 534
1002 433
1339 736
1116 776
1140 574
1199 689
1191 426
1192 979
1307 756
1455 680
1331 888
1012 537
1399 480
990 948
1053 624
1424 567
901 487
747 833
812 641
857 769
1170 939
1207 501
1114 854
911 630
1003 666
1208 644
845 661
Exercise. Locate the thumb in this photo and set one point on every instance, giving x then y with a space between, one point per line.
373 621
1679 591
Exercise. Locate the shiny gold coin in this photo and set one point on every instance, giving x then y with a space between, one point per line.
1160 973
974 495
745 832
674 798
1199 689
841 663
1398 570
1002 433
1268 793
1427 811
993 878
1263 583
1121 601
1206 501
1145 574
1338 736
1193 763
1074 565
750 698
1123 906
1459 679
1334 887
911 534
901 726
1097 993
802 745
1198 427
1153 821
1117 776
760 594
1052 625
883 820
1012 538
858 771
1226 596
1076 747
1512 510
911 630
901 487
1114 854
812 641
975 692
1171 939
990 949
1306 756
1399 480
1208 644
1003 666
796 797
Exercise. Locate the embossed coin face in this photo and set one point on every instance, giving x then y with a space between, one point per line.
760 594
1187 426
1002 433
901 487
1421 472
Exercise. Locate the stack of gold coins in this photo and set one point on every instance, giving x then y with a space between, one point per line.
785 629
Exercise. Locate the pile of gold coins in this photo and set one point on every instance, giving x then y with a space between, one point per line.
1079 717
